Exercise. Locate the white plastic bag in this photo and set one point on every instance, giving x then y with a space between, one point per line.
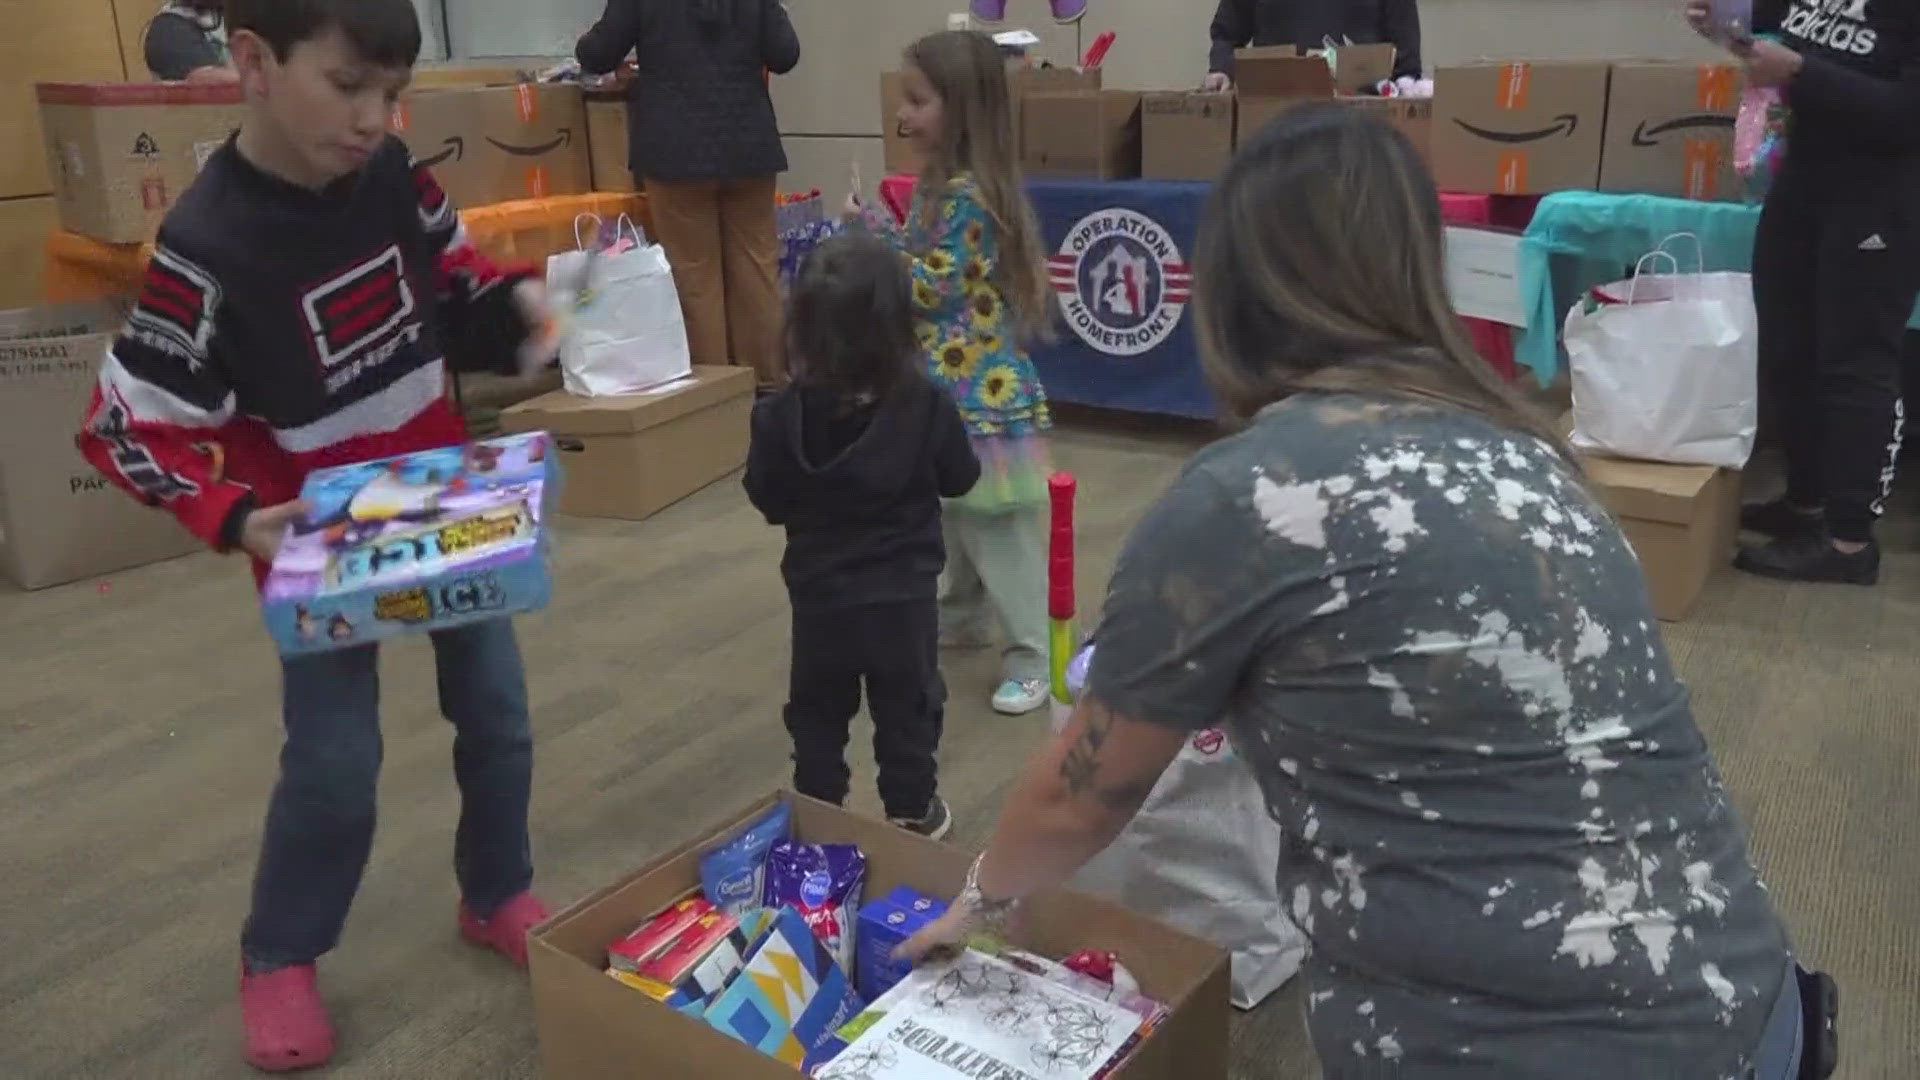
622 327
1202 855
1665 366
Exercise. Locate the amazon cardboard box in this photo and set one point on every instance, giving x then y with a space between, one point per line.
607 140
591 1026
1080 134
120 154
1670 130
633 455
63 521
492 144
1412 117
1185 135
1519 128
1021 81
1269 80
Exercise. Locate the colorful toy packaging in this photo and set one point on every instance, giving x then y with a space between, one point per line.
415 543
822 882
1760 139
789 997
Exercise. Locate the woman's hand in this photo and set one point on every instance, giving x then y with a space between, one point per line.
950 933
1771 65
1217 82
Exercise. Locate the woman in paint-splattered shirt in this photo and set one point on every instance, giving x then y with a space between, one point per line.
1504 833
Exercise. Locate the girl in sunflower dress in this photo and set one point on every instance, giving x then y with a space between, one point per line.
980 288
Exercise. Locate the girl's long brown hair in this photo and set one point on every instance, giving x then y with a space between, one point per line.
1319 268
976 136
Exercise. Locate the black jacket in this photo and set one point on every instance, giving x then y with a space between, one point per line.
859 491
1309 23
699 108
1859 90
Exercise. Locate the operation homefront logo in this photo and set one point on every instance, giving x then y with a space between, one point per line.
1122 282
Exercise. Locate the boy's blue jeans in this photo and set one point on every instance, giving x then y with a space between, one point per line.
320 822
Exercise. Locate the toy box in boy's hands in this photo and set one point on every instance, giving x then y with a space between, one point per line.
883 925
419 542
789 998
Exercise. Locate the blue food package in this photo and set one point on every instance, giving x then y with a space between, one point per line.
732 874
823 883
883 925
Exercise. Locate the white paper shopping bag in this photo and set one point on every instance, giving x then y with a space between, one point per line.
622 327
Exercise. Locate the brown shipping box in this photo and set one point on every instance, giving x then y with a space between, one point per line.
1269 80
633 455
63 521
1185 135
1083 134
121 154
591 1026
1670 130
1682 521
898 150
1360 69
1412 117
493 144
1518 128
607 140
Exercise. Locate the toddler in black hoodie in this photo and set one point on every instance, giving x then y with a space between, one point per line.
853 459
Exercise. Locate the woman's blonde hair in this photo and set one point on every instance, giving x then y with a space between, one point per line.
1319 269
976 136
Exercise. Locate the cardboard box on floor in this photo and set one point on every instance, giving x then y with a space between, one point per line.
1682 521
1519 128
591 1026
607 140
1080 134
1185 134
62 520
121 154
1670 130
633 455
492 144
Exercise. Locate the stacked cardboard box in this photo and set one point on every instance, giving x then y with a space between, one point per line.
491 144
121 154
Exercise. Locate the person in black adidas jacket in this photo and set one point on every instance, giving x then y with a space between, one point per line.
1836 266
853 458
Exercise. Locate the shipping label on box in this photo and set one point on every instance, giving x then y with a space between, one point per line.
415 543
1670 130
1085 134
121 154
1519 128
1185 135
499 143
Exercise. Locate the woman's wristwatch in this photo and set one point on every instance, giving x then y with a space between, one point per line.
993 912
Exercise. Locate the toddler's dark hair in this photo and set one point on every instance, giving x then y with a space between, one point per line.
386 33
850 322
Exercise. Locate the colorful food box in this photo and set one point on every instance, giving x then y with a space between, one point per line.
656 934
415 543
883 925
790 996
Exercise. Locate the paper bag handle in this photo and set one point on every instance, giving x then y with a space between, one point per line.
580 244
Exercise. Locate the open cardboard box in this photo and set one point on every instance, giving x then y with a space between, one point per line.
591 1026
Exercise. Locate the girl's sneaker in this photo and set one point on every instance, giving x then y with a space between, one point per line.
1018 697
991 11
506 930
285 1020
935 826
1068 11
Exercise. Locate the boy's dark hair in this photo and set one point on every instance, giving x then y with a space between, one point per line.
850 321
386 33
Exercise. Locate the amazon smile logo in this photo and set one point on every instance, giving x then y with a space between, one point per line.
456 149
563 139
1564 124
1649 135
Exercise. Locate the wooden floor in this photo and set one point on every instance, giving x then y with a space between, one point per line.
138 731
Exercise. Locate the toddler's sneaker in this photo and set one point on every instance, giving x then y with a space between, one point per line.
285 1020
1018 697
935 826
505 931
989 11
1068 11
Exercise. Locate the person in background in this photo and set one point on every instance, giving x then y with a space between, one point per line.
1311 24
187 41
220 397
705 145
1836 266
980 287
853 458
1502 830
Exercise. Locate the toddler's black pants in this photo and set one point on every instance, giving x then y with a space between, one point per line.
893 650
1836 267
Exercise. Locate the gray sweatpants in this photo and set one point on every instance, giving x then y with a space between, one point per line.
999 561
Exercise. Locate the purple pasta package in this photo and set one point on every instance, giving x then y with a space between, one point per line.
823 882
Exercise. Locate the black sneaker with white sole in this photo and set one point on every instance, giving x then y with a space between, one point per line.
935 826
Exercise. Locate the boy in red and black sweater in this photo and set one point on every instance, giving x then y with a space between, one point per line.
304 300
